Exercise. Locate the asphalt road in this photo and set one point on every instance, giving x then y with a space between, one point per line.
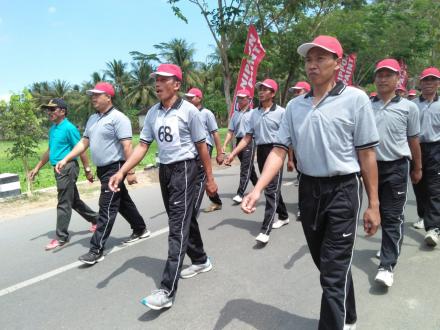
275 287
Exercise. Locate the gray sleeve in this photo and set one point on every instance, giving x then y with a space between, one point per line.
231 123
413 120
365 131
248 123
147 133
211 122
285 136
123 128
198 133
86 133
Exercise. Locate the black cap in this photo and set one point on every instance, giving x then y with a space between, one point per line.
55 103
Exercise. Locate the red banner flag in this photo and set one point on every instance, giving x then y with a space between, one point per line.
346 72
247 76
403 79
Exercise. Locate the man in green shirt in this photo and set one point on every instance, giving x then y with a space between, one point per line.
63 136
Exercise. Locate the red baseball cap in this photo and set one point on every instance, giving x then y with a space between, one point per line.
268 83
373 94
328 43
302 85
388 63
102 88
401 88
195 92
243 93
168 70
431 71
412 92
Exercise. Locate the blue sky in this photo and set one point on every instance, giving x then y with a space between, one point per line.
44 40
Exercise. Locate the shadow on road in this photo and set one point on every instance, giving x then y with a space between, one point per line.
253 227
52 235
262 316
151 267
303 250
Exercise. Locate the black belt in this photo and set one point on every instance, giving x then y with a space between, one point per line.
331 179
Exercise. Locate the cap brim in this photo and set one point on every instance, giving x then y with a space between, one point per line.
304 49
263 84
94 91
161 73
190 95
430 75
242 95
387 67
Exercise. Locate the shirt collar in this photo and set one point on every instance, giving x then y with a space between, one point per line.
272 108
176 105
336 90
105 113
422 99
395 99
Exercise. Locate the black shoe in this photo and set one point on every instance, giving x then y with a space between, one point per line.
91 258
137 236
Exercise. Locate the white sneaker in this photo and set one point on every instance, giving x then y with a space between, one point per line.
263 238
432 237
193 270
350 326
298 216
419 224
237 199
279 223
378 254
385 277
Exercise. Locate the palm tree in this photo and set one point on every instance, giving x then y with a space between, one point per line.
60 88
116 71
179 52
140 89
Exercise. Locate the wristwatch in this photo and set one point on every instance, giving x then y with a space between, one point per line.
87 169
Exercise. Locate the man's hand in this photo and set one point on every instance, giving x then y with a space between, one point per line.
249 202
115 180
32 174
220 158
89 176
416 176
290 166
229 159
371 220
211 187
131 178
60 165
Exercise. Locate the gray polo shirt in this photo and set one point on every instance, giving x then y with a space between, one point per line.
264 125
175 131
105 133
325 137
238 122
210 124
429 114
395 121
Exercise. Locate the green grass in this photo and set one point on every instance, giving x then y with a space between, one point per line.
45 177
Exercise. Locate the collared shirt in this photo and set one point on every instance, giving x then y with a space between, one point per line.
238 122
210 124
105 132
62 138
175 130
263 124
429 114
325 136
395 121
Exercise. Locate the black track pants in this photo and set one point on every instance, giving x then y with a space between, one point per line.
247 168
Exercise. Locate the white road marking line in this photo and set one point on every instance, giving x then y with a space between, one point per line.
288 183
75 264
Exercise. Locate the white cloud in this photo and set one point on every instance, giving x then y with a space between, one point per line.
52 10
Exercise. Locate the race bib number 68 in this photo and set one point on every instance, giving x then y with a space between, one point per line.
167 133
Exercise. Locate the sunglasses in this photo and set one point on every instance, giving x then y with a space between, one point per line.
51 109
